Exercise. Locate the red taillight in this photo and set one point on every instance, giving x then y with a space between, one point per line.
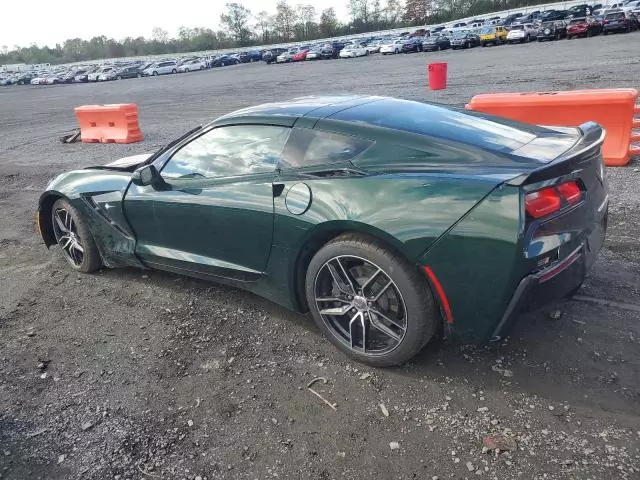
543 202
606 21
549 200
571 192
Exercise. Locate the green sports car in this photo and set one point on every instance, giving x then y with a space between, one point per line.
389 220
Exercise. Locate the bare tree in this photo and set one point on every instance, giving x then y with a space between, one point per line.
306 20
263 24
236 21
393 12
159 35
285 20
328 22
360 11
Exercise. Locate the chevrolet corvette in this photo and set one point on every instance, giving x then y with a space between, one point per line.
389 220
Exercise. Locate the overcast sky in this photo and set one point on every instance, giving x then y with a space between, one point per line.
47 22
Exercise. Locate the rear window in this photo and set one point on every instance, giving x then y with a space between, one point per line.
307 148
517 27
615 16
577 21
450 123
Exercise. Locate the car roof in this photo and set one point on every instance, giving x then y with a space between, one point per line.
370 114
310 106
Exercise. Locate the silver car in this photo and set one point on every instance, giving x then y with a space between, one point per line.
161 68
93 76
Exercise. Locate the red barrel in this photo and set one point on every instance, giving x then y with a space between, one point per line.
437 76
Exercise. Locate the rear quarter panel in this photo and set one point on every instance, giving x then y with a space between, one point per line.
408 212
479 263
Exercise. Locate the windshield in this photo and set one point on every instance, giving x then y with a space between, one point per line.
459 34
517 27
488 29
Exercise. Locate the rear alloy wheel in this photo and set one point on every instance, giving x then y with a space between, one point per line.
74 238
118 77
369 301
174 71
155 74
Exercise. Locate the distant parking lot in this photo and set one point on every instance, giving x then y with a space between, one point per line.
126 374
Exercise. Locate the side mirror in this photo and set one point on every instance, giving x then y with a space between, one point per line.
147 175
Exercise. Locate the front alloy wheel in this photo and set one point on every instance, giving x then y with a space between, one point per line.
74 238
370 301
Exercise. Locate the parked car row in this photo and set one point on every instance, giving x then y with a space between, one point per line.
123 70
576 22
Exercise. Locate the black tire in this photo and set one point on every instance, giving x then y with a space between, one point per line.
420 313
155 74
118 77
139 75
20 82
91 260
174 71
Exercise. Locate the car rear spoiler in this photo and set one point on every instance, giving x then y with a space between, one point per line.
592 137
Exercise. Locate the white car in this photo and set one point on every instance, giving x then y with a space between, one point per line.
287 56
52 80
632 6
192 66
39 80
93 76
392 47
522 33
313 55
353 50
161 68
373 47
107 76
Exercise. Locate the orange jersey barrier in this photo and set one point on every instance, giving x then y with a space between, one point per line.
614 109
116 123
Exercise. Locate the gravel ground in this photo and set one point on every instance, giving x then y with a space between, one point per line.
130 375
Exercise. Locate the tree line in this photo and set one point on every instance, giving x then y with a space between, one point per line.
241 28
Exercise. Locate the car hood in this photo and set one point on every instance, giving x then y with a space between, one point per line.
127 163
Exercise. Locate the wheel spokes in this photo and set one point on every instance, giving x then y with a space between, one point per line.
67 237
382 315
340 277
360 304
60 222
358 317
381 327
382 290
336 310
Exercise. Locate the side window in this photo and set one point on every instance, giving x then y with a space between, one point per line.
229 152
308 148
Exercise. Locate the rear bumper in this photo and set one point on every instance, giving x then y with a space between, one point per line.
557 281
